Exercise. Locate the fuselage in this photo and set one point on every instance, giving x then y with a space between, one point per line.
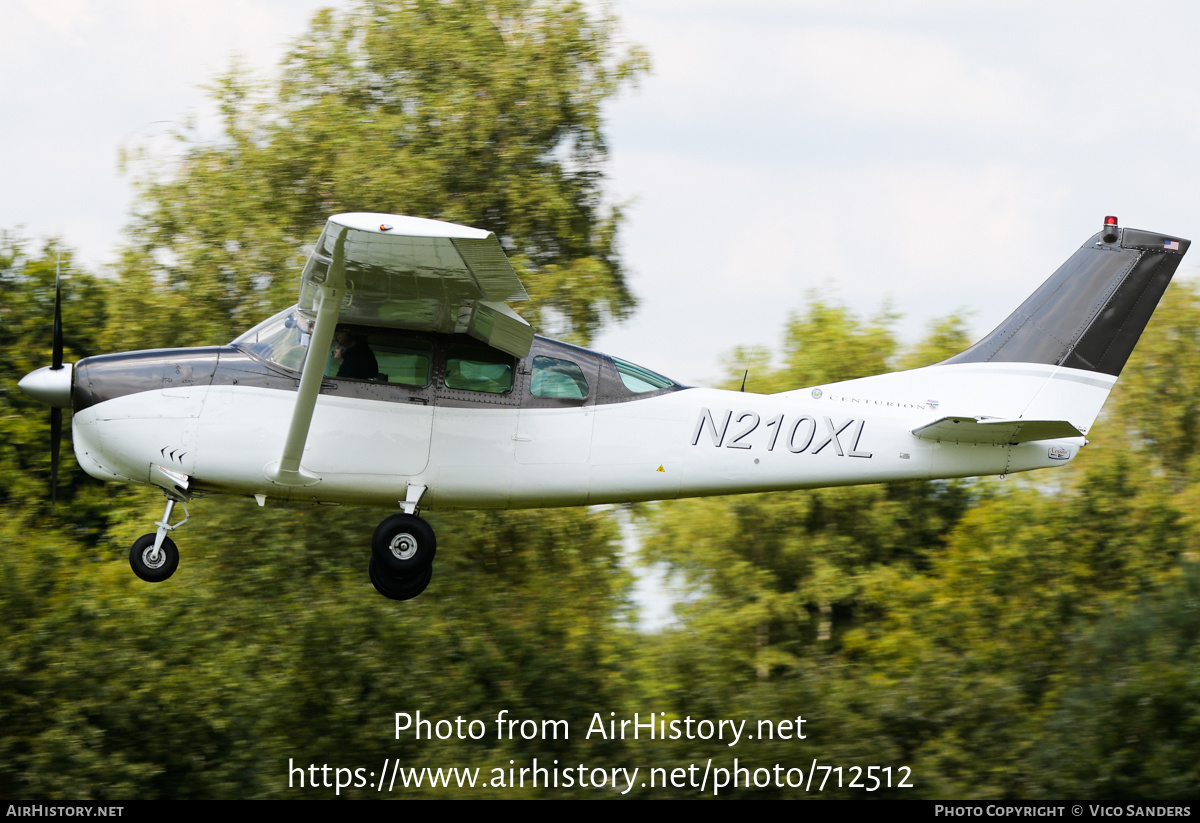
570 427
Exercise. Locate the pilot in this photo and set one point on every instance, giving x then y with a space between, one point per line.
354 356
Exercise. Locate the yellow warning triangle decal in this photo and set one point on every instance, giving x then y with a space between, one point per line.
661 469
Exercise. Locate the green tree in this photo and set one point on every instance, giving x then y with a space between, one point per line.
1125 720
487 114
824 345
945 338
792 565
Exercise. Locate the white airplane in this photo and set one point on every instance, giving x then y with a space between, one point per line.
437 394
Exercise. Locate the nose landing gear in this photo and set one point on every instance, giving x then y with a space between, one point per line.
154 557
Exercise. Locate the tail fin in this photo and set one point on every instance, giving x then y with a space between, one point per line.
1092 311
1045 372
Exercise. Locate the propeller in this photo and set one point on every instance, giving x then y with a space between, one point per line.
52 386
56 364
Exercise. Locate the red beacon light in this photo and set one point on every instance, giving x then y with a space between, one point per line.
1110 229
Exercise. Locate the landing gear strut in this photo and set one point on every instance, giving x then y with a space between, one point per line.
154 557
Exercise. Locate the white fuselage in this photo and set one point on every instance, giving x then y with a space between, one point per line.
687 443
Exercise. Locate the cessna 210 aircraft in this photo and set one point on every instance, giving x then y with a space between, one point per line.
437 394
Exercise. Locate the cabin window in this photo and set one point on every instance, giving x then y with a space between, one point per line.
478 369
405 362
352 356
557 378
639 380
379 355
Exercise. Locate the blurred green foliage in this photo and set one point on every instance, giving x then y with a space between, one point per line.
1034 637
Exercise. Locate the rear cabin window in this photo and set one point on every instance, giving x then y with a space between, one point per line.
639 380
557 378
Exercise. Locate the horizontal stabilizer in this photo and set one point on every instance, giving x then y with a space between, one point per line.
993 431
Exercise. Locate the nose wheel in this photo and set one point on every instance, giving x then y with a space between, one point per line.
154 557
153 565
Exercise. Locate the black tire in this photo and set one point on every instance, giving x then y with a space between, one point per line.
403 545
399 588
157 572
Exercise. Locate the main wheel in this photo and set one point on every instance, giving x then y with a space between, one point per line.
403 545
149 569
399 588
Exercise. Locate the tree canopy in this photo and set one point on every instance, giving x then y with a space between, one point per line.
487 114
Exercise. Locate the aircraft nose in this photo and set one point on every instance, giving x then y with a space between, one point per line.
49 385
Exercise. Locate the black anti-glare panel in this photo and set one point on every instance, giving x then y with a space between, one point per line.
1090 313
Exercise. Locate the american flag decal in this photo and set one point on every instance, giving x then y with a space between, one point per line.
1171 245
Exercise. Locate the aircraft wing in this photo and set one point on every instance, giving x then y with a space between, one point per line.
412 273
405 273
994 431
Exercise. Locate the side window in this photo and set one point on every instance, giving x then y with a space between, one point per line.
557 378
639 380
405 362
478 369
379 355
351 355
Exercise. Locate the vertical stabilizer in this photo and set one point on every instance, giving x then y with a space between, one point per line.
1091 312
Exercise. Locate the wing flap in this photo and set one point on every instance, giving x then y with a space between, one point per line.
501 328
491 269
994 431
426 275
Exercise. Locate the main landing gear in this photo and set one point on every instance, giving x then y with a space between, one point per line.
154 557
402 552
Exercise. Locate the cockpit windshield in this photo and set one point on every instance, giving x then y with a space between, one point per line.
282 338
